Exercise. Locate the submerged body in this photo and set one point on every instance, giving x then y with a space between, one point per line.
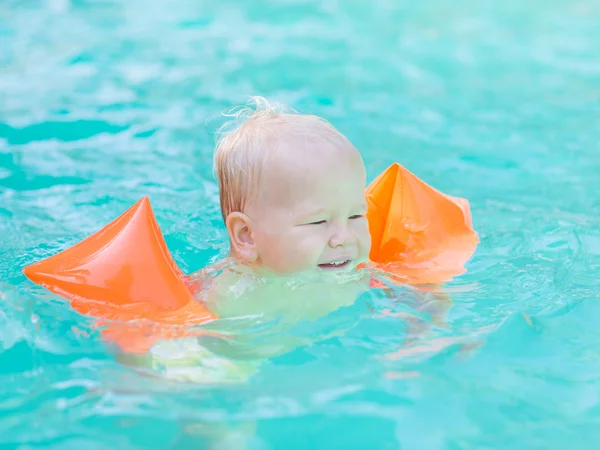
292 194
236 291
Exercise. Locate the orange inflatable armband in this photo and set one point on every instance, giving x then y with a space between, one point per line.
125 273
417 233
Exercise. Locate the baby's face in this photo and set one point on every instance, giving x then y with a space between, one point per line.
309 213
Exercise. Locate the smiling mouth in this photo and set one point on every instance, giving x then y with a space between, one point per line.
335 265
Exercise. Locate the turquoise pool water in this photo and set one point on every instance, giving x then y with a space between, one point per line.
102 102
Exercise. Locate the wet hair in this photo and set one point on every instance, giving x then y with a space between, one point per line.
256 132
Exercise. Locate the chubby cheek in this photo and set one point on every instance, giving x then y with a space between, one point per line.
288 251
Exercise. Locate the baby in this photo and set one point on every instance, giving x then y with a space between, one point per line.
292 194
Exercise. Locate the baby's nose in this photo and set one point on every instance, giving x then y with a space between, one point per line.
342 236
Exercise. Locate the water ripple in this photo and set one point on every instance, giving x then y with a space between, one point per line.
104 102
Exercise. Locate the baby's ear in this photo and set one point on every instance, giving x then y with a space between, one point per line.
240 234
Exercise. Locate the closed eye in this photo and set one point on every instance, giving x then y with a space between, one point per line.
357 216
320 222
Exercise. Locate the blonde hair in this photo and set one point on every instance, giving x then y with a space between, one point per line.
258 129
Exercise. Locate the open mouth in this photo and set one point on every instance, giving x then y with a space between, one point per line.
335 265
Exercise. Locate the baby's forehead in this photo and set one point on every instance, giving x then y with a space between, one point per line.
295 176
309 159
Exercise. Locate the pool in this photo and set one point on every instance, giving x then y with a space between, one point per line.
103 102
